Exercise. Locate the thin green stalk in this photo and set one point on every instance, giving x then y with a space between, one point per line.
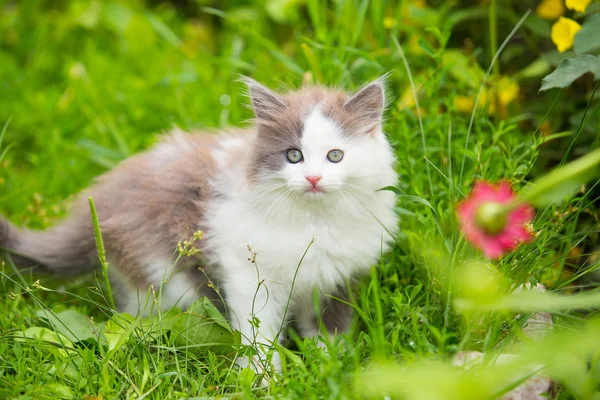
581 125
416 98
101 252
493 26
313 62
487 74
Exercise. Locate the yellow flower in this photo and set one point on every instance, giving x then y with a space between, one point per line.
464 104
563 33
551 9
413 45
407 101
487 101
389 22
578 5
508 90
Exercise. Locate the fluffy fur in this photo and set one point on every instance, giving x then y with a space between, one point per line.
240 190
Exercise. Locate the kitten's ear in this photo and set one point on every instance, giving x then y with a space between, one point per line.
266 103
368 103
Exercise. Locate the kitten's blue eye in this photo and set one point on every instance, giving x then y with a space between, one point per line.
335 156
294 156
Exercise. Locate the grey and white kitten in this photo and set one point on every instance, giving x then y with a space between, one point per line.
300 188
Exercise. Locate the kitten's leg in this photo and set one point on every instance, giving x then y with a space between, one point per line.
334 316
162 286
257 310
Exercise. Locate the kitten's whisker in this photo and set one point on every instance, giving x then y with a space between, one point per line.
282 197
268 193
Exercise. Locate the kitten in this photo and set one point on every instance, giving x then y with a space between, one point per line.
300 189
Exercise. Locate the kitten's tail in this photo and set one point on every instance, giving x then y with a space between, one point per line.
67 248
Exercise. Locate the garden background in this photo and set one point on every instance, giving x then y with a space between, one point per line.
86 83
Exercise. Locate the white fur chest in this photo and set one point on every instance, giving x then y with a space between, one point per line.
343 244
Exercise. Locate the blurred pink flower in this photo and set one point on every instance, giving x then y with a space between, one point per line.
487 225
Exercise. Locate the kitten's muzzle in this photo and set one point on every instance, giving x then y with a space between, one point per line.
313 180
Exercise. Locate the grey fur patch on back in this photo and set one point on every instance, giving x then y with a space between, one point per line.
146 205
153 200
5 233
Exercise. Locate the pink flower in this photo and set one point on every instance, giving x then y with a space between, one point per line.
490 226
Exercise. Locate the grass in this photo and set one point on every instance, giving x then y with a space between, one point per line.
86 84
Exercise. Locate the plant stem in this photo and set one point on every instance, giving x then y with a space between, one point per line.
101 252
493 26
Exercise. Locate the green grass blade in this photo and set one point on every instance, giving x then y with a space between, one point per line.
101 252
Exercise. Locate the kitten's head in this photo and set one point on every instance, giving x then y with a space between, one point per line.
320 144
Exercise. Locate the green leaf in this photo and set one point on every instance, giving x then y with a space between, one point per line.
418 200
554 57
70 323
533 301
53 342
536 69
163 30
562 182
203 327
462 68
118 330
588 39
283 11
200 328
86 14
539 26
571 69
116 17
392 189
59 390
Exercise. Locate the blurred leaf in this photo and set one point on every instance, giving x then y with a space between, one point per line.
533 301
418 200
140 35
163 30
430 380
459 16
536 69
479 282
588 38
426 47
203 327
118 330
393 189
537 25
116 17
199 328
62 391
562 182
554 57
283 11
313 62
557 135
86 15
571 69
101 155
70 323
53 342
462 68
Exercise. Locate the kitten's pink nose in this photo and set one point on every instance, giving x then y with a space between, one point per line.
313 180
